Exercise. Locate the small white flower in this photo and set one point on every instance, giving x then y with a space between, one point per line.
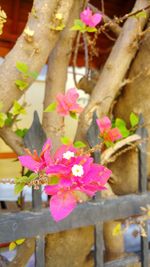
77 170
68 155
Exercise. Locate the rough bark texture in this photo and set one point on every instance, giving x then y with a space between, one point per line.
34 54
134 97
114 71
57 77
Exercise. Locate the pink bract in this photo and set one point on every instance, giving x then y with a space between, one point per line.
89 19
92 179
68 103
35 162
108 133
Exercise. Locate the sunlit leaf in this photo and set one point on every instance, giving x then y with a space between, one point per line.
2 119
51 107
121 125
91 29
66 140
79 144
19 187
18 109
134 119
117 230
141 14
33 74
22 67
22 85
54 180
73 115
20 241
12 246
78 26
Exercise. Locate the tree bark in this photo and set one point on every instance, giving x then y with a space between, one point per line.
35 53
114 70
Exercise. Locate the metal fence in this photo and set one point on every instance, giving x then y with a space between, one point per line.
38 223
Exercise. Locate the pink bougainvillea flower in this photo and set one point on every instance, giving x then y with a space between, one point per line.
77 173
108 133
35 162
89 19
68 103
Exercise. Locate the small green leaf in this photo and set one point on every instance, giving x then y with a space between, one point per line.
33 74
9 119
2 119
134 119
141 14
20 241
51 107
73 115
108 144
19 187
79 144
22 85
18 109
117 230
22 67
65 140
21 132
91 29
33 176
78 26
121 125
54 180
12 246
57 28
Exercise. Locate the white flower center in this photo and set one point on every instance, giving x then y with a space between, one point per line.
77 170
68 155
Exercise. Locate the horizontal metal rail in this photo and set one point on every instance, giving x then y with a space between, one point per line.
29 224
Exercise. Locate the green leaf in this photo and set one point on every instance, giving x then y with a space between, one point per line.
121 125
2 119
108 144
26 179
134 119
142 14
51 107
22 85
12 246
20 241
54 180
21 132
91 29
117 230
79 144
78 26
22 67
9 119
18 109
33 176
57 28
19 187
65 140
73 115
33 74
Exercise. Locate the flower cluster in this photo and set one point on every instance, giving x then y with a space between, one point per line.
108 133
72 176
90 19
67 103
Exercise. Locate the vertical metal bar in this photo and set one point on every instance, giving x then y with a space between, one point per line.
40 251
143 186
40 239
99 245
36 199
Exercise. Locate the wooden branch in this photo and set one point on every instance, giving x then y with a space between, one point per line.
35 53
108 153
113 26
115 69
12 140
57 76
